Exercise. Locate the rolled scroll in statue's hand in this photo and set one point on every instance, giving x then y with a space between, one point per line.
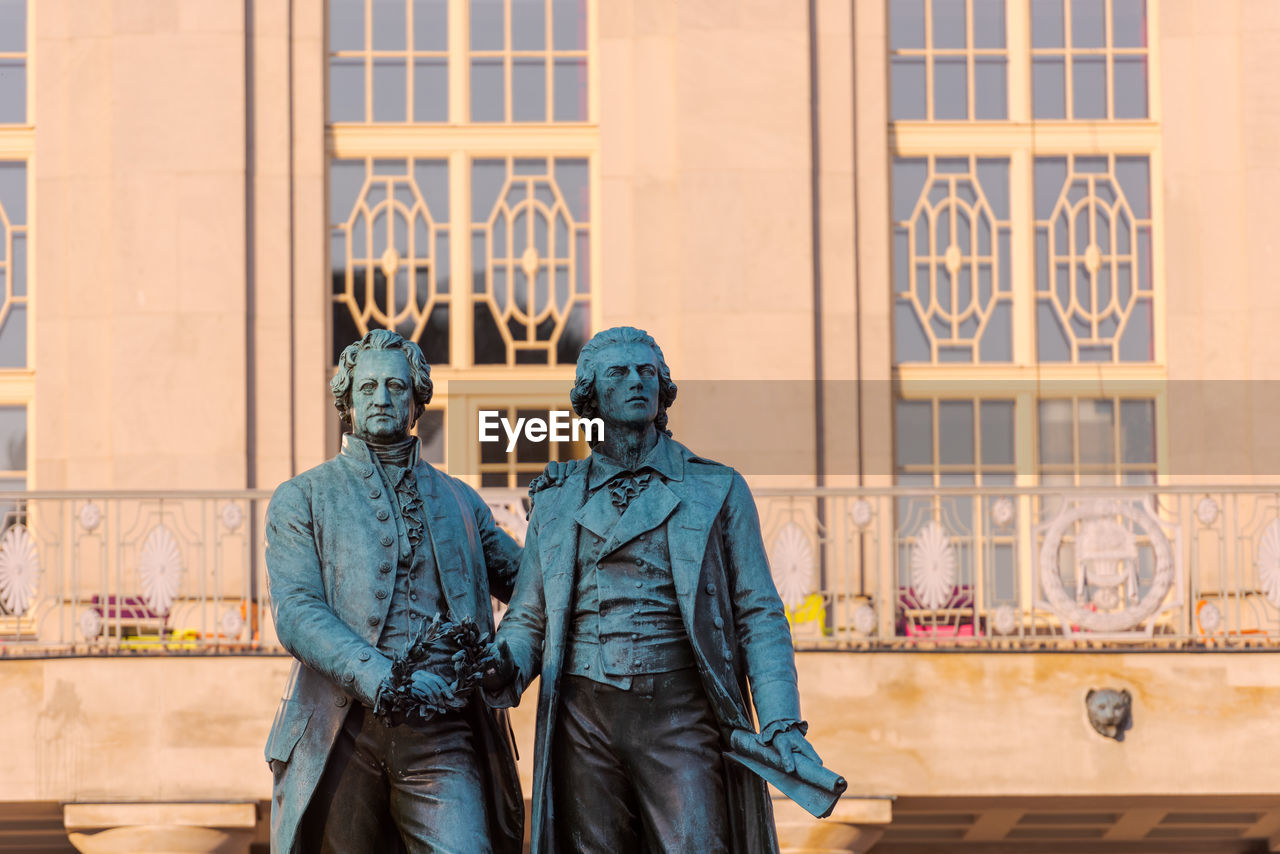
810 785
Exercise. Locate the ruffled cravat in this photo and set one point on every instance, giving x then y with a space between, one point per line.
625 486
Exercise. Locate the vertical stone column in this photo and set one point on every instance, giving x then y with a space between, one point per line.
852 828
168 828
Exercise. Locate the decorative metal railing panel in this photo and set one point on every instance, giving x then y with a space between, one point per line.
996 568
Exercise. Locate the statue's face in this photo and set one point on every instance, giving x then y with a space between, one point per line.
627 384
381 396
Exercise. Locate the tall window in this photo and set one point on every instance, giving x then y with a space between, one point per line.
461 174
17 144
1026 232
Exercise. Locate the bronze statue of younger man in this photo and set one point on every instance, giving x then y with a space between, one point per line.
361 551
645 602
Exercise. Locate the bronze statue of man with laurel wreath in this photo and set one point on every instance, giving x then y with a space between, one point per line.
381 569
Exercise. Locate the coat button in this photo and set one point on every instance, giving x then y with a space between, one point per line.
364 655
717 622
711 588
375 493
381 594
413 597
639 584
348 677
340 701
387 539
639 562
385 566
383 515
374 620
367 472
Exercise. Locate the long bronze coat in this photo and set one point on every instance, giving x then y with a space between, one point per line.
727 599
330 531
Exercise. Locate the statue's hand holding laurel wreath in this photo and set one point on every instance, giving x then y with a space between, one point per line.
420 687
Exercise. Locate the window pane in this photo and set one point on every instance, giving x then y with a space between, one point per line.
389 95
908 180
430 90
486 24
989 88
13 192
571 90
431 436
1137 431
569 24
1088 87
1134 176
907 88
13 91
914 432
1087 23
1128 23
529 90
1049 88
1097 432
997 432
346 25
346 90
988 23
1131 87
950 89
13 26
13 338
388 24
955 432
1046 23
528 25
906 24
430 24
948 24
487 95
1055 432
13 439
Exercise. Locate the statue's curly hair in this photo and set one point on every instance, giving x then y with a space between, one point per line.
583 395
381 339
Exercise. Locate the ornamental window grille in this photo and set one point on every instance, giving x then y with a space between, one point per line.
389 247
530 254
13 62
951 260
948 60
1089 59
1094 291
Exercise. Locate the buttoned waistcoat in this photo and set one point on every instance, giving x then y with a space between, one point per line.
332 544
728 603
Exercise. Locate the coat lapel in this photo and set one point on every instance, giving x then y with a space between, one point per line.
646 511
447 537
688 532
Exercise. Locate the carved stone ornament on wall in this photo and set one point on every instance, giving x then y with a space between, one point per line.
933 566
160 569
791 560
19 570
1106 560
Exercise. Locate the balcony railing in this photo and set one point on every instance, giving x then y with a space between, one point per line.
1156 567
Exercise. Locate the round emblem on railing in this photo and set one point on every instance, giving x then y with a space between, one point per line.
232 515
864 619
90 515
160 569
1269 562
231 622
861 513
1106 560
19 570
90 623
1002 512
1207 511
933 566
1005 620
1209 616
791 560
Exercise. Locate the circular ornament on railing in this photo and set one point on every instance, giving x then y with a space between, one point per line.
90 515
1002 512
1209 616
1005 620
864 619
19 570
933 567
232 515
231 622
90 623
1207 511
1105 556
1269 562
861 513
160 569
791 560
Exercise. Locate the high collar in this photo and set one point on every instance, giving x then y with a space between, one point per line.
664 458
360 450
